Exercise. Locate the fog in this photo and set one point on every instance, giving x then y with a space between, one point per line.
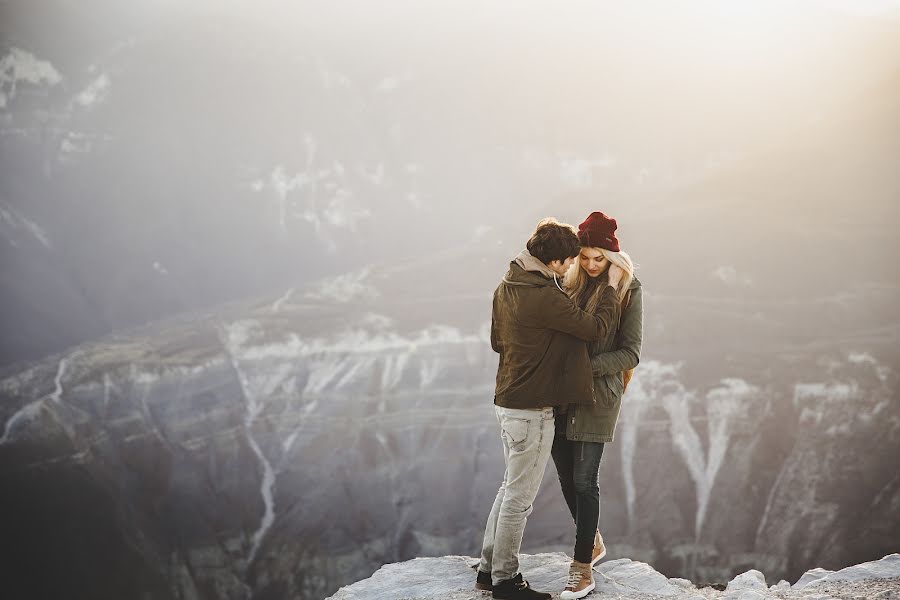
179 156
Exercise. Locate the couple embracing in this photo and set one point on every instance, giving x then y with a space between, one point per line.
567 323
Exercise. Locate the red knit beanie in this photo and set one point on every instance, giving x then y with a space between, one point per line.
599 231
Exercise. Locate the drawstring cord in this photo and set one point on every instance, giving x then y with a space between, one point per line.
557 284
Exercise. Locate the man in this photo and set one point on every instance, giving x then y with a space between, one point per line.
539 333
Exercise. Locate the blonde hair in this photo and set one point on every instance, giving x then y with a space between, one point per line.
577 280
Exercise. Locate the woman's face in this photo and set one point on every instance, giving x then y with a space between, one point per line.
593 261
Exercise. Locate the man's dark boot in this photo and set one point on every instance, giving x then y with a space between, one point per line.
517 589
483 581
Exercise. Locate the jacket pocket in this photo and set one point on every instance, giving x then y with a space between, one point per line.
615 385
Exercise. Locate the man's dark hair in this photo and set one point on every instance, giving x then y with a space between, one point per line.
553 240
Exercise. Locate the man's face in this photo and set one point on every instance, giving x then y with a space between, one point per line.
560 267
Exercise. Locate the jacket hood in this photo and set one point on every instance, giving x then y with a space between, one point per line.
526 270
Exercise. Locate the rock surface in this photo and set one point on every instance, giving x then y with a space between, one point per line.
749 580
453 577
811 575
887 567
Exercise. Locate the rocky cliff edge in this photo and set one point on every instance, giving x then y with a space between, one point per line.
453 578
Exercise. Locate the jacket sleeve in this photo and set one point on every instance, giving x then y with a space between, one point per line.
627 355
561 314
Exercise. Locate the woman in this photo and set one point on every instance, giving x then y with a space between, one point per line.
582 430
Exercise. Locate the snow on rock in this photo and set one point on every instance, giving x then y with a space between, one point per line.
10 221
97 91
345 288
20 419
19 66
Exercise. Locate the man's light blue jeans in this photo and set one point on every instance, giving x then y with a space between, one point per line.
527 436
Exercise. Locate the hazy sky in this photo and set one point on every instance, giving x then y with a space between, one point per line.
310 128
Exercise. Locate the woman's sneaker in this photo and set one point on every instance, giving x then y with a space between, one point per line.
580 582
517 589
599 549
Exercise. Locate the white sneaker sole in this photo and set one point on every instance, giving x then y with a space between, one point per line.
567 595
596 560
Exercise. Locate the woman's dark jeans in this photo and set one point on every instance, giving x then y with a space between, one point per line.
577 464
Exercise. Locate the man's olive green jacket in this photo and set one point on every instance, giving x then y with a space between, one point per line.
540 335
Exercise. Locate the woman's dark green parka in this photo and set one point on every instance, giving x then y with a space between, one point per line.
619 351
